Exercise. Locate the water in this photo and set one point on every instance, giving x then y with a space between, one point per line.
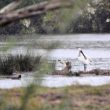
56 81
100 56
64 41
95 46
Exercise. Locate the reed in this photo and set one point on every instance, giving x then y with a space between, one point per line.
18 63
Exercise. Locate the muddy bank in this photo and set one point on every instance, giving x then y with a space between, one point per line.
96 72
80 73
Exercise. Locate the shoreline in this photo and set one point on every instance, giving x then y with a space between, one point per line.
103 72
93 72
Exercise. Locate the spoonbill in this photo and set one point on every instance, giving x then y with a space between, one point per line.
67 65
84 59
65 70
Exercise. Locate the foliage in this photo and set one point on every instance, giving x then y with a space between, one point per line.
29 2
4 2
57 21
92 19
84 17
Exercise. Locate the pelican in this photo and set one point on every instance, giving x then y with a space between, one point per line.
84 59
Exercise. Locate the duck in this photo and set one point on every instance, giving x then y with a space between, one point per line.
16 77
83 58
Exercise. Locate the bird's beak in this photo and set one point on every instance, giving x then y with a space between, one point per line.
83 54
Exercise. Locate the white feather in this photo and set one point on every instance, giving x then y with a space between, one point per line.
83 59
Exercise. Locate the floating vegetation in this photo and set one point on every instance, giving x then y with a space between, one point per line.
19 63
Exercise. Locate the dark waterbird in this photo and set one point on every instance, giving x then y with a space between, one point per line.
16 77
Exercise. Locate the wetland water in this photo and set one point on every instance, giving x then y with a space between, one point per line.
96 46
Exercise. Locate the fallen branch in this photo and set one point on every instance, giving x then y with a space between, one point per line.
10 7
31 11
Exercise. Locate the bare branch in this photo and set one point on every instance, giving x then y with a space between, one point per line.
11 6
31 11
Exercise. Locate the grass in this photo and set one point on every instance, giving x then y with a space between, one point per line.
18 63
67 98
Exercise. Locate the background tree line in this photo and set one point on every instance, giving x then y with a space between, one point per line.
92 17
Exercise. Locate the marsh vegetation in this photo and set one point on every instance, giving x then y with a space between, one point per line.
19 63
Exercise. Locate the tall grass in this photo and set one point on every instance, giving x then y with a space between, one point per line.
18 63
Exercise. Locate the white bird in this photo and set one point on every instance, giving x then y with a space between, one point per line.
84 59
66 65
